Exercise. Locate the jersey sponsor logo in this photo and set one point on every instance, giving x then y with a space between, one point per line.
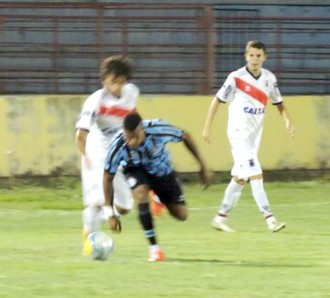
251 162
251 90
254 111
114 111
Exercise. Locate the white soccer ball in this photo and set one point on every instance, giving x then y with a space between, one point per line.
101 245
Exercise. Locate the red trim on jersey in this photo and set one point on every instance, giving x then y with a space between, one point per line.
114 111
251 90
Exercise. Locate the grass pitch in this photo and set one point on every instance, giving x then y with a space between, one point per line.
40 247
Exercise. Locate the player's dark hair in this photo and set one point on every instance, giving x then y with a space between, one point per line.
255 44
132 121
117 65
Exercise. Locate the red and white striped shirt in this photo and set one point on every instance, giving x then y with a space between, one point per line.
104 112
247 97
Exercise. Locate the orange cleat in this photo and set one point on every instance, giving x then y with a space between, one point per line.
156 255
156 207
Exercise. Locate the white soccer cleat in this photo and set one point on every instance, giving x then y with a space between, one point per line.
220 225
276 226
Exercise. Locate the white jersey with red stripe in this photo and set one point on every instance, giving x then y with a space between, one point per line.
105 112
247 97
102 115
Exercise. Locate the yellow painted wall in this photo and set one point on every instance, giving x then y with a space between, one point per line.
37 133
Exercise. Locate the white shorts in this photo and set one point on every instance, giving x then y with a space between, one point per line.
92 176
245 155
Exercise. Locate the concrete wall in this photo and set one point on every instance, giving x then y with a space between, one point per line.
37 133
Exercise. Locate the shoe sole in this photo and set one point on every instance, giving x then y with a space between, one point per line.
226 230
279 228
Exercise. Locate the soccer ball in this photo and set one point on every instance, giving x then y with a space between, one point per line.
101 245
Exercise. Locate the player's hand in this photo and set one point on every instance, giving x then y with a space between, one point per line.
291 129
114 224
206 134
205 177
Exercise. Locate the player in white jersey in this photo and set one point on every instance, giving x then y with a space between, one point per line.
100 119
247 91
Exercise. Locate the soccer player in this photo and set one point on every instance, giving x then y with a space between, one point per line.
247 91
100 119
141 150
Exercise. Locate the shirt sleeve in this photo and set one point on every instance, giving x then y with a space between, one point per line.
115 156
275 94
88 114
163 131
130 95
226 92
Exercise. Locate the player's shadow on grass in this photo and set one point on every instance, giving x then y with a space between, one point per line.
238 263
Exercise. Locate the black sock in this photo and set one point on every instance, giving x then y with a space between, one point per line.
147 223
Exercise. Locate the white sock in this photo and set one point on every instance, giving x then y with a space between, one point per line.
91 219
230 199
153 247
270 220
261 199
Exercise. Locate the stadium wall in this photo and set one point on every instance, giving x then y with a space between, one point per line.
37 133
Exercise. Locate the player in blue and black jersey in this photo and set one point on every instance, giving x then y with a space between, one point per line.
141 151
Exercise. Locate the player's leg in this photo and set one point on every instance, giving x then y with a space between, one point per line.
231 196
156 206
170 192
261 199
92 185
123 197
139 183
257 186
234 189
92 199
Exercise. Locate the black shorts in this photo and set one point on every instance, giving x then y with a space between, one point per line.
167 188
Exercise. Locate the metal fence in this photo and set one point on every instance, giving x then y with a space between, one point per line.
298 48
182 49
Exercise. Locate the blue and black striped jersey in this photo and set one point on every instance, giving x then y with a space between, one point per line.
152 154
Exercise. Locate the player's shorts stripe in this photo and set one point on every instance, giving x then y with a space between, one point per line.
252 91
114 111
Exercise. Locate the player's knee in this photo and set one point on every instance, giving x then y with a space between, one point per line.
179 212
141 194
121 211
239 180
183 216
256 177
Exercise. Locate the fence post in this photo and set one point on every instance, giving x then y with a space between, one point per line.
209 51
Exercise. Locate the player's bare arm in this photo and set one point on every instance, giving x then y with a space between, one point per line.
113 220
206 134
81 136
286 117
190 145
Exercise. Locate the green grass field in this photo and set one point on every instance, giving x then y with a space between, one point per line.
40 247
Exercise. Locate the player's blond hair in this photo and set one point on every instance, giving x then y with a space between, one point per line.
255 44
